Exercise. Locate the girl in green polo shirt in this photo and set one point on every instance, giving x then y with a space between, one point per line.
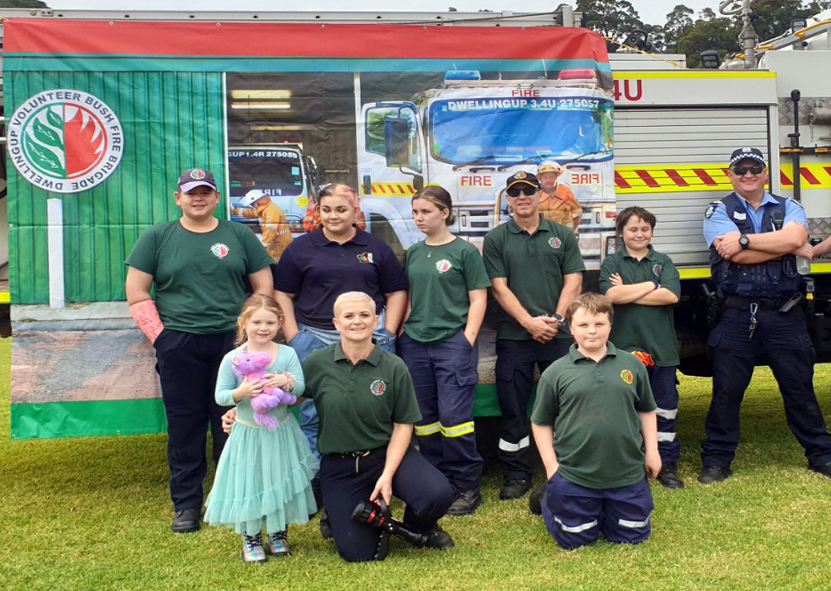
448 296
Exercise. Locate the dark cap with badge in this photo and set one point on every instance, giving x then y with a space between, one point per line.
196 177
747 153
522 177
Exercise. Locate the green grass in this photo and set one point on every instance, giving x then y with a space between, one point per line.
93 513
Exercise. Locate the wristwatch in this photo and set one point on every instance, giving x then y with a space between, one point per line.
744 241
559 318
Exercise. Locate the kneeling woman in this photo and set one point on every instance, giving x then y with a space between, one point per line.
367 407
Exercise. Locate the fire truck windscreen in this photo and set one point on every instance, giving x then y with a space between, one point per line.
505 130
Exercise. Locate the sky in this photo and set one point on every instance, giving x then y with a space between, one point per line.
650 11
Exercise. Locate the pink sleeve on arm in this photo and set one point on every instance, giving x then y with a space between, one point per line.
147 319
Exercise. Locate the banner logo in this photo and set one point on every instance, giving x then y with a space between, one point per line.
65 141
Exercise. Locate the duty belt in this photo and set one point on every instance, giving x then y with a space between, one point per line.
739 303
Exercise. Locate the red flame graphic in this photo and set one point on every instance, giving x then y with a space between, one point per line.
85 142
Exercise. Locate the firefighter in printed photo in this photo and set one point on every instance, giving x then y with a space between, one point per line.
557 201
276 234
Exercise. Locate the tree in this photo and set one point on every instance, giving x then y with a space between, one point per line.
614 19
679 22
710 32
775 16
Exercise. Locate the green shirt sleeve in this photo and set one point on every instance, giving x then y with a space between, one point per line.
492 255
545 406
573 260
143 255
669 276
405 409
607 269
476 276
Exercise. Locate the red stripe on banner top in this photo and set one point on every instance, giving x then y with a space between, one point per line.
299 40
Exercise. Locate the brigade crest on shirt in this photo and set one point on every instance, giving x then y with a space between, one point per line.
657 268
220 250
555 242
443 266
627 376
378 387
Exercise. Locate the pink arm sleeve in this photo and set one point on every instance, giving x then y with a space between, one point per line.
147 319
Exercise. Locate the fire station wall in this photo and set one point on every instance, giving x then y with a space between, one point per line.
672 161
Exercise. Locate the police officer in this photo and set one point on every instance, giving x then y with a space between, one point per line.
536 270
753 237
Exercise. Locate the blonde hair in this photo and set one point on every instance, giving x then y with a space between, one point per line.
254 303
592 303
353 296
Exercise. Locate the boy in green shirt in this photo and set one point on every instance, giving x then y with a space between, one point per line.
598 401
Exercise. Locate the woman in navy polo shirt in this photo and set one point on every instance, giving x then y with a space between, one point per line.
319 266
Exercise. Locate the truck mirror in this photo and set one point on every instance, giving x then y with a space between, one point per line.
366 185
397 144
418 182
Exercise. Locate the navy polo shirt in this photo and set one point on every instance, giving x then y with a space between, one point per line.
317 270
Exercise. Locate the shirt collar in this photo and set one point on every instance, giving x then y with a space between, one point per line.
319 238
766 198
575 355
515 229
648 256
374 358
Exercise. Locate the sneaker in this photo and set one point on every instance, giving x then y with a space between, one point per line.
514 489
466 502
669 478
535 500
186 521
438 539
711 474
277 544
252 548
824 469
325 528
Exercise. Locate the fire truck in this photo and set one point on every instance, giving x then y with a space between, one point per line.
471 134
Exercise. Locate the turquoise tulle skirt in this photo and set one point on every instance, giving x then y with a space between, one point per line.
263 479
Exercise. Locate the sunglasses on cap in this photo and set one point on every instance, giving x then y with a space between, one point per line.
743 170
527 190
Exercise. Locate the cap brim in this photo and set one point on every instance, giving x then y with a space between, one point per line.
192 185
522 182
755 157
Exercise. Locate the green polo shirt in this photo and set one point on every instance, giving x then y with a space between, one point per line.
534 266
593 408
358 404
644 328
441 278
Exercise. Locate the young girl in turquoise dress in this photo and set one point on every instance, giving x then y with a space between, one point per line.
263 479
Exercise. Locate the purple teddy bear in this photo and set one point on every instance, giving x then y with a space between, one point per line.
252 366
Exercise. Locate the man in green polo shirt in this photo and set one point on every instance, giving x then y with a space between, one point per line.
644 286
536 270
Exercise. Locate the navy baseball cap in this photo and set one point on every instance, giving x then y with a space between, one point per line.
744 153
196 177
522 177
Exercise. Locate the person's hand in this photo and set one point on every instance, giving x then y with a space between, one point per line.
383 487
279 380
249 389
228 420
806 250
727 245
541 328
471 337
615 279
652 463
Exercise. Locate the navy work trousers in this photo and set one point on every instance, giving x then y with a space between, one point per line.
445 376
515 361
187 365
664 383
347 481
781 341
